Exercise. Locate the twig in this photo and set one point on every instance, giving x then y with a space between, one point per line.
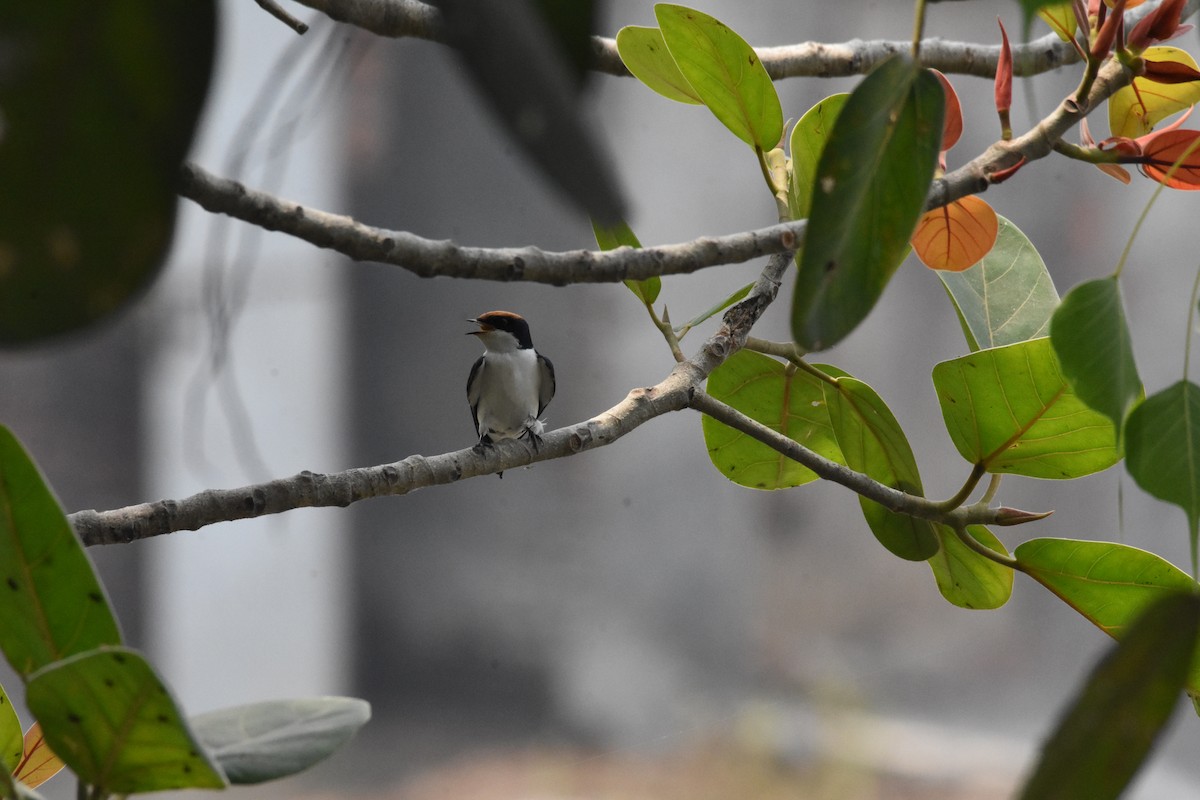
281 14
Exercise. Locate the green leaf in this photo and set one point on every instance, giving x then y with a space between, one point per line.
100 107
872 442
51 604
265 741
1010 409
1093 345
610 237
807 142
716 308
870 190
110 718
1008 297
1110 728
967 579
1108 583
786 400
12 740
1162 438
725 73
646 56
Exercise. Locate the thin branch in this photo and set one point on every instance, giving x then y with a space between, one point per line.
429 258
886 496
311 490
279 13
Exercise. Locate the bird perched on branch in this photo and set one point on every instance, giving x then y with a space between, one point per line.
511 384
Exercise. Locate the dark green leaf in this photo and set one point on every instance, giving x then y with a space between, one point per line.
1162 438
100 104
1008 297
1111 727
646 56
967 579
1010 409
787 401
110 718
264 741
610 237
872 442
51 604
725 73
1093 346
870 190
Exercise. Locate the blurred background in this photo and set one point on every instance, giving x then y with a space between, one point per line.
624 623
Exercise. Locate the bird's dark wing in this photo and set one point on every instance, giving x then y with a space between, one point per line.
473 391
546 389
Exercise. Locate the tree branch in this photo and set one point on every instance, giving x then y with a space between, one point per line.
312 490
409 18
891 499
429 258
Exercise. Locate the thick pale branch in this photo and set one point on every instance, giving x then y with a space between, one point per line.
311 490
406 18
340 489
429 258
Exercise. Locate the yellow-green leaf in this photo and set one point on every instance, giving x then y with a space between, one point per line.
725 73
1134 110
646 56
786 400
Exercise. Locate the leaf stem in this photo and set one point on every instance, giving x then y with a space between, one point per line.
766 170
993 486
668 332
789 351
960 497
1150 204
918 29
985 551
1187 342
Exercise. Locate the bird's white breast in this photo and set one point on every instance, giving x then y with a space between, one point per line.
508 396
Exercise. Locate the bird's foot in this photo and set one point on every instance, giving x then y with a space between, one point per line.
535 438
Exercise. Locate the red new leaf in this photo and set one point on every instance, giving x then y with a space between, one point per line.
952 125
1163 149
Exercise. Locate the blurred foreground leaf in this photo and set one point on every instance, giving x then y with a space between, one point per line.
264 741
1107 733
99 105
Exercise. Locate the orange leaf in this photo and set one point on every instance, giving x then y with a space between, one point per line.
38 764
955 237
1164 149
